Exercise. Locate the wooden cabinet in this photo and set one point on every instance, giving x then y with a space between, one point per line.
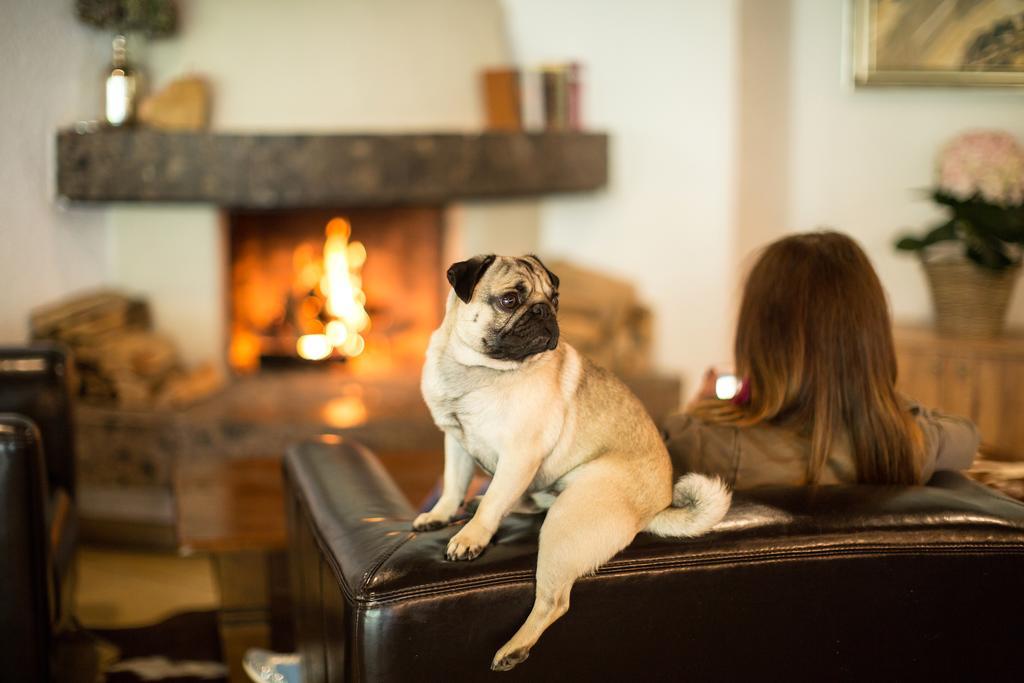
983 380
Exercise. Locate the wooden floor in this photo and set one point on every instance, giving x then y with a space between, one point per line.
123 589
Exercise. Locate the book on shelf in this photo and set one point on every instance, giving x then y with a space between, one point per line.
556 96
501 99
545 98
574 109
531 98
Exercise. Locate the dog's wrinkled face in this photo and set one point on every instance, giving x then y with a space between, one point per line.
506 306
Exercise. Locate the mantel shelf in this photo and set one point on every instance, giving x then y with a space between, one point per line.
282 171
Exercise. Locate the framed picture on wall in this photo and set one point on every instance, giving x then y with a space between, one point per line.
938 42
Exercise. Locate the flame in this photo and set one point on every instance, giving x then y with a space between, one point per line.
244 351
337 333
313 346
338 277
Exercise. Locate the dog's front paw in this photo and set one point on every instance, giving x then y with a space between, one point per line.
468 543
507 658
428 521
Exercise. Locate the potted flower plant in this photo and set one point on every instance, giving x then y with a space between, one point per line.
972 260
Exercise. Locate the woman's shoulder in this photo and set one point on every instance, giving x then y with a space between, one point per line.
681 422
687 427
699 445
745 456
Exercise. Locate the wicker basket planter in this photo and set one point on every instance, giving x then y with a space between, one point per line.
970 301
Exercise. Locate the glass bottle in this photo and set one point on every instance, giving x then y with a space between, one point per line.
122 89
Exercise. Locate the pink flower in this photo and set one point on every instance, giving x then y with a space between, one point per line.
984 164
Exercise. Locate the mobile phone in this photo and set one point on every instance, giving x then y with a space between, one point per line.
726 387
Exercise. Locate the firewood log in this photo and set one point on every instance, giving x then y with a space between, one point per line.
119 358
187 388
89 314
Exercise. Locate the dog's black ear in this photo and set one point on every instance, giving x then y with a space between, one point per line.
551 276
464 275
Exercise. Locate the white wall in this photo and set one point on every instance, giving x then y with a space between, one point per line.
50 75
486 227
175 256
859 160
764 134
337 64
660 79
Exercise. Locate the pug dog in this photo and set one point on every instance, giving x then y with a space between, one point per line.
524 406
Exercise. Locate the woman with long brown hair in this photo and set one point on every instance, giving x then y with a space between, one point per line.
817 402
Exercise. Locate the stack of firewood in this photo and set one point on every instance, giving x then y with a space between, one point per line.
119 358
602 317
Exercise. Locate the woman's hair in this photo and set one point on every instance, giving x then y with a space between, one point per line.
814 349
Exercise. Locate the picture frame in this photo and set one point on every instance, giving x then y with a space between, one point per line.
938 42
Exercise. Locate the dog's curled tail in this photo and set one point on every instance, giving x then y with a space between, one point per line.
698 503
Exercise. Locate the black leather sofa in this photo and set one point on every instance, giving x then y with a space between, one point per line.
832 583
38 524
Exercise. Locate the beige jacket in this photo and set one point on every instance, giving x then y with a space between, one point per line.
746 457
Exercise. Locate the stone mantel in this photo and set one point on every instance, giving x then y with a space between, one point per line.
328 170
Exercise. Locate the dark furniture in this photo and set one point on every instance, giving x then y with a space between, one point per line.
25 561
35 381
38 525
832 583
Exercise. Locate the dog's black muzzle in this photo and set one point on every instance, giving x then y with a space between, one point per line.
534 332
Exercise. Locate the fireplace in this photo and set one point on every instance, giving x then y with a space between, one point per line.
260 211
356 287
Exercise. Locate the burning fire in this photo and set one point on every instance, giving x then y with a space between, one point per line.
332 313
297 293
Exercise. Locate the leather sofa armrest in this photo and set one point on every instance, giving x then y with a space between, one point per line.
25 588
35 381
359 515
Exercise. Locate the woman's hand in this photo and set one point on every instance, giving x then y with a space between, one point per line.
708 386
717 384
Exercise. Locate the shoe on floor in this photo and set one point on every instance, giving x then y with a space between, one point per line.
264 666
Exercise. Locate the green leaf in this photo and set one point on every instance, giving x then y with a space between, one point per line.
943 233
996 221
985 250
989 260
909 244
945 199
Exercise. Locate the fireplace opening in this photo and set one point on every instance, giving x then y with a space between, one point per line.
358 287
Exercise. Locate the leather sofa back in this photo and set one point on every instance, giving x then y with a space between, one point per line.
837 582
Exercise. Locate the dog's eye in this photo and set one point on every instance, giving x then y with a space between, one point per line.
509 300
554 299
